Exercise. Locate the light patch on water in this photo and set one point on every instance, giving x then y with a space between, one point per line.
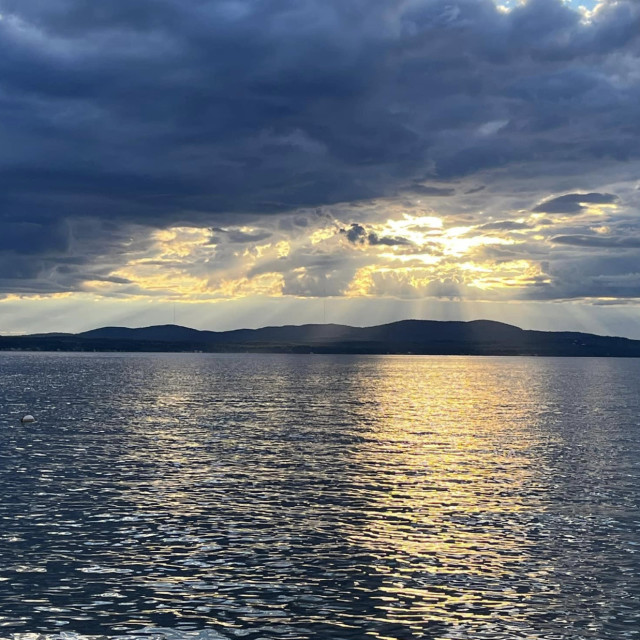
178 497
145 634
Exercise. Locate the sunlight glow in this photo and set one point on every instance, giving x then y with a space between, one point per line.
457 242
411 257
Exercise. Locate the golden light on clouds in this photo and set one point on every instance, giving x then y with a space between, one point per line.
180 241
402 260
599 210
169 281
458 241
397 249
268 284
409 256
13 297
415 228
321 235
283 248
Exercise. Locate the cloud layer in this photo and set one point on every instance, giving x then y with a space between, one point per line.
225 148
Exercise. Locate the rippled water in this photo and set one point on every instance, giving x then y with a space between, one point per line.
243 496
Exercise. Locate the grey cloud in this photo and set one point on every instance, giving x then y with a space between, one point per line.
604 264
308 259
505 225
61 256
389 241
425 190
357 234
397 285
310 105
161 112
604 242
592 276
31 238
574 203
110 279
509 252
621 287
236 236
312 272
316 284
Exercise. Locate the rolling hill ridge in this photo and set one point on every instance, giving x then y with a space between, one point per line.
477 337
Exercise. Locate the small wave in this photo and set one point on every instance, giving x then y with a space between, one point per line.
150 633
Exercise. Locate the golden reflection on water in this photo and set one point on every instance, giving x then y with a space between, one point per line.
443 469
330 497
453 464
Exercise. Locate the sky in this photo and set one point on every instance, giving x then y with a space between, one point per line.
240 163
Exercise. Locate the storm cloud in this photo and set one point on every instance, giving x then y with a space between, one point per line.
358 235
574 203
269 122
505 225
606 242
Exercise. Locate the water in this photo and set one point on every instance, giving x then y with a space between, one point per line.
264 496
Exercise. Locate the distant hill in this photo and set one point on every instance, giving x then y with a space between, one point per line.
478 337
162 333
414 331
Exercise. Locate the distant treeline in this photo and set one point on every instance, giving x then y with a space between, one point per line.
479 337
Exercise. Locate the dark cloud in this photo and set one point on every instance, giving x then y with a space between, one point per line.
357 234
390 241
232 106
61 256
316 283
236 236
604 242
31 238
425 190
310 271
505 225
509 252
574 203
211 113
592 274
621 287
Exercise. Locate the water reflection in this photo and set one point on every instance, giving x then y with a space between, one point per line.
320 497
446 478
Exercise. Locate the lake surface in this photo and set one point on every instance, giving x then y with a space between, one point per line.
303 497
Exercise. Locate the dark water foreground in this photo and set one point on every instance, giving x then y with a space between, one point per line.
204 497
